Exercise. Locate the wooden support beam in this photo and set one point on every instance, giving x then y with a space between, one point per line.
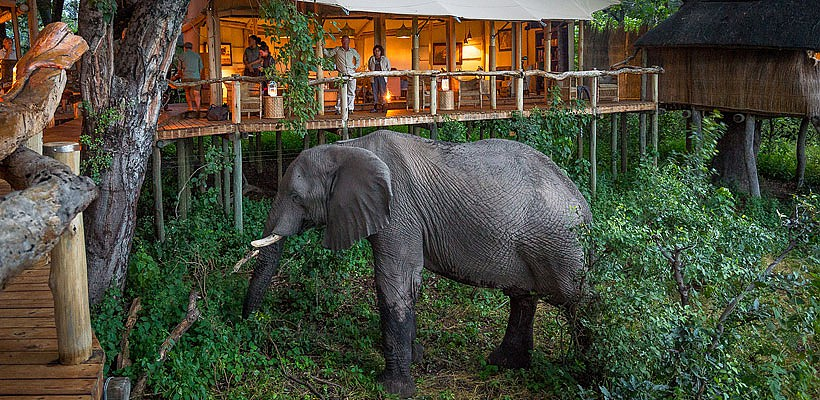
344 110
433 95
593 139
156 172
642 127
624 120
216 142
613 144
581 35
214 41
519 93
279 155
697 126
571 46
33 24
800 171
236 117
547 58
492 67
68 276
750 156
237 181
451 44
320 73
183 173
416 65
226 177
15 24
655 119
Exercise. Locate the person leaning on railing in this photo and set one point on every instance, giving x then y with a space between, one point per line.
379 62
347 60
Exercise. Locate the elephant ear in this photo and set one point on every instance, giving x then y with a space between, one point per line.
359 201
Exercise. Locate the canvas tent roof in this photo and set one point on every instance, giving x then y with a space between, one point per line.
498 10
775 24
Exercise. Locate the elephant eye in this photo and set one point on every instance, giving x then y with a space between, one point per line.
295 197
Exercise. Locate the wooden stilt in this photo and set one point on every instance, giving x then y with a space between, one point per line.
320 137
433 95
800 171
226 177
655 115
613 144
417 95
156 172
624 120
237 181
279 155
203 185
492 67
697 122
593 139
343 109
749 155
68 278
644 96
306 141
183 173
216 143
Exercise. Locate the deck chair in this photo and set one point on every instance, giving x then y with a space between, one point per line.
472 92
250 95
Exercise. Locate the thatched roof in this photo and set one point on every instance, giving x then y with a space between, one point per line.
773 24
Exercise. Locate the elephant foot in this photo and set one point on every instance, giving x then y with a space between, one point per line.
510 358
418 353
398 384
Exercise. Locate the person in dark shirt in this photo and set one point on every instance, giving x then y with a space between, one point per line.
250 56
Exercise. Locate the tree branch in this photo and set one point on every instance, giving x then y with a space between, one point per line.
122 358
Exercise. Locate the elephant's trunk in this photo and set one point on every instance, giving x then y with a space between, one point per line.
267 265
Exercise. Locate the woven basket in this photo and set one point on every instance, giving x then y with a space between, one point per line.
274 107
446 100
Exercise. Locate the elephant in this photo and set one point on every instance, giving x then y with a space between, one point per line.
493 213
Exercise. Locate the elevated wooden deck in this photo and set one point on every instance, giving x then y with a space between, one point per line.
29 367
173 126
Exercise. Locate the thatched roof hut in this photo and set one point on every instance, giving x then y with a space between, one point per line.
756 57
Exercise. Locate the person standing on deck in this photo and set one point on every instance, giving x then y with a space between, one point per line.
346 60
379 62
191 67
251 55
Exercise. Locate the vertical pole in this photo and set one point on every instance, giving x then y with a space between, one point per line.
320 137
492 66
593 139
697 122
343 107
236 118
203 185
306 141
613 144
416 66
216 142
214 63
183 173
642 128
451 44
226 177
433 95
320 73
749 155
519 94
571 45
237 181
156 170
624 141
33 28
279 152
515 62
15 24
68 277
547 58
655 117
581 65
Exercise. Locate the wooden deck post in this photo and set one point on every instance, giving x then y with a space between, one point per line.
183 173
624 120
581 35
320 73
68 277
547 58
320 137
519 94
642 127
216 142
156 170
214 64
515 62
226 177
15 24
571 46
697 125
33 28
749 155
237 180
343 109
279 155
655 118
237 103
613 144
492 67
306 141
433 95
593 139
416 65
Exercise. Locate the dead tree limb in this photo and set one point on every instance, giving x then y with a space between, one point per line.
192 316
30 103
32 220
123 359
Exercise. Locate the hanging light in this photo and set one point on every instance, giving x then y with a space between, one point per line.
347 31
468 37
404 32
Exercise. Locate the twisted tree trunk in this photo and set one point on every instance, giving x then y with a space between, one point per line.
133 86
736 161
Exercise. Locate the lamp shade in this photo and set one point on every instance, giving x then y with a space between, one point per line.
404 32
347 31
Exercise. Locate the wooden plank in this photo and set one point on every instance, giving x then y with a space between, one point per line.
28 344
27 287
14 296
28 333
28 357
51 371
26 322
46 312
47 387
54 397
28 303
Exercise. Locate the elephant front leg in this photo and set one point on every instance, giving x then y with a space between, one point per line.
515 350
398 280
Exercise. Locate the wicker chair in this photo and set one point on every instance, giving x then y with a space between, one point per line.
472 92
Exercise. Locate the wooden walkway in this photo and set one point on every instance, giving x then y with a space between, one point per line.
29 367
173 126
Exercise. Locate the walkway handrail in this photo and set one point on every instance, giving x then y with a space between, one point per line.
435 73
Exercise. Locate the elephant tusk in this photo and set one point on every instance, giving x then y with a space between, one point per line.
266 241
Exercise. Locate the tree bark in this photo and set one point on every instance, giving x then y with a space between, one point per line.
44 9
32 220
57 10
133 86
800 173
736 161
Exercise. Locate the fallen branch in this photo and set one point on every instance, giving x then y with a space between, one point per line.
122 358
249 256
32 220
192 316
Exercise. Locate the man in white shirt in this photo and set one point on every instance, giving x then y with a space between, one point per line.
7 52
347 60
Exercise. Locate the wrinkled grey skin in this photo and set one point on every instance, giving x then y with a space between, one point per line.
493 214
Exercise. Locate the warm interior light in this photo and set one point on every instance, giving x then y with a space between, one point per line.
387 96
404 32
468 37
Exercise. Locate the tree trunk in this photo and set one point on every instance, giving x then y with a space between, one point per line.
800 174
44 9
57 10
736 161
133 87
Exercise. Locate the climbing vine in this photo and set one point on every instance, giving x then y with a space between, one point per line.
97 160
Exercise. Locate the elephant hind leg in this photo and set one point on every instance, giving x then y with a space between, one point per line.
516 348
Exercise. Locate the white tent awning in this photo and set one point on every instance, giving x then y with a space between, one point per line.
497 10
